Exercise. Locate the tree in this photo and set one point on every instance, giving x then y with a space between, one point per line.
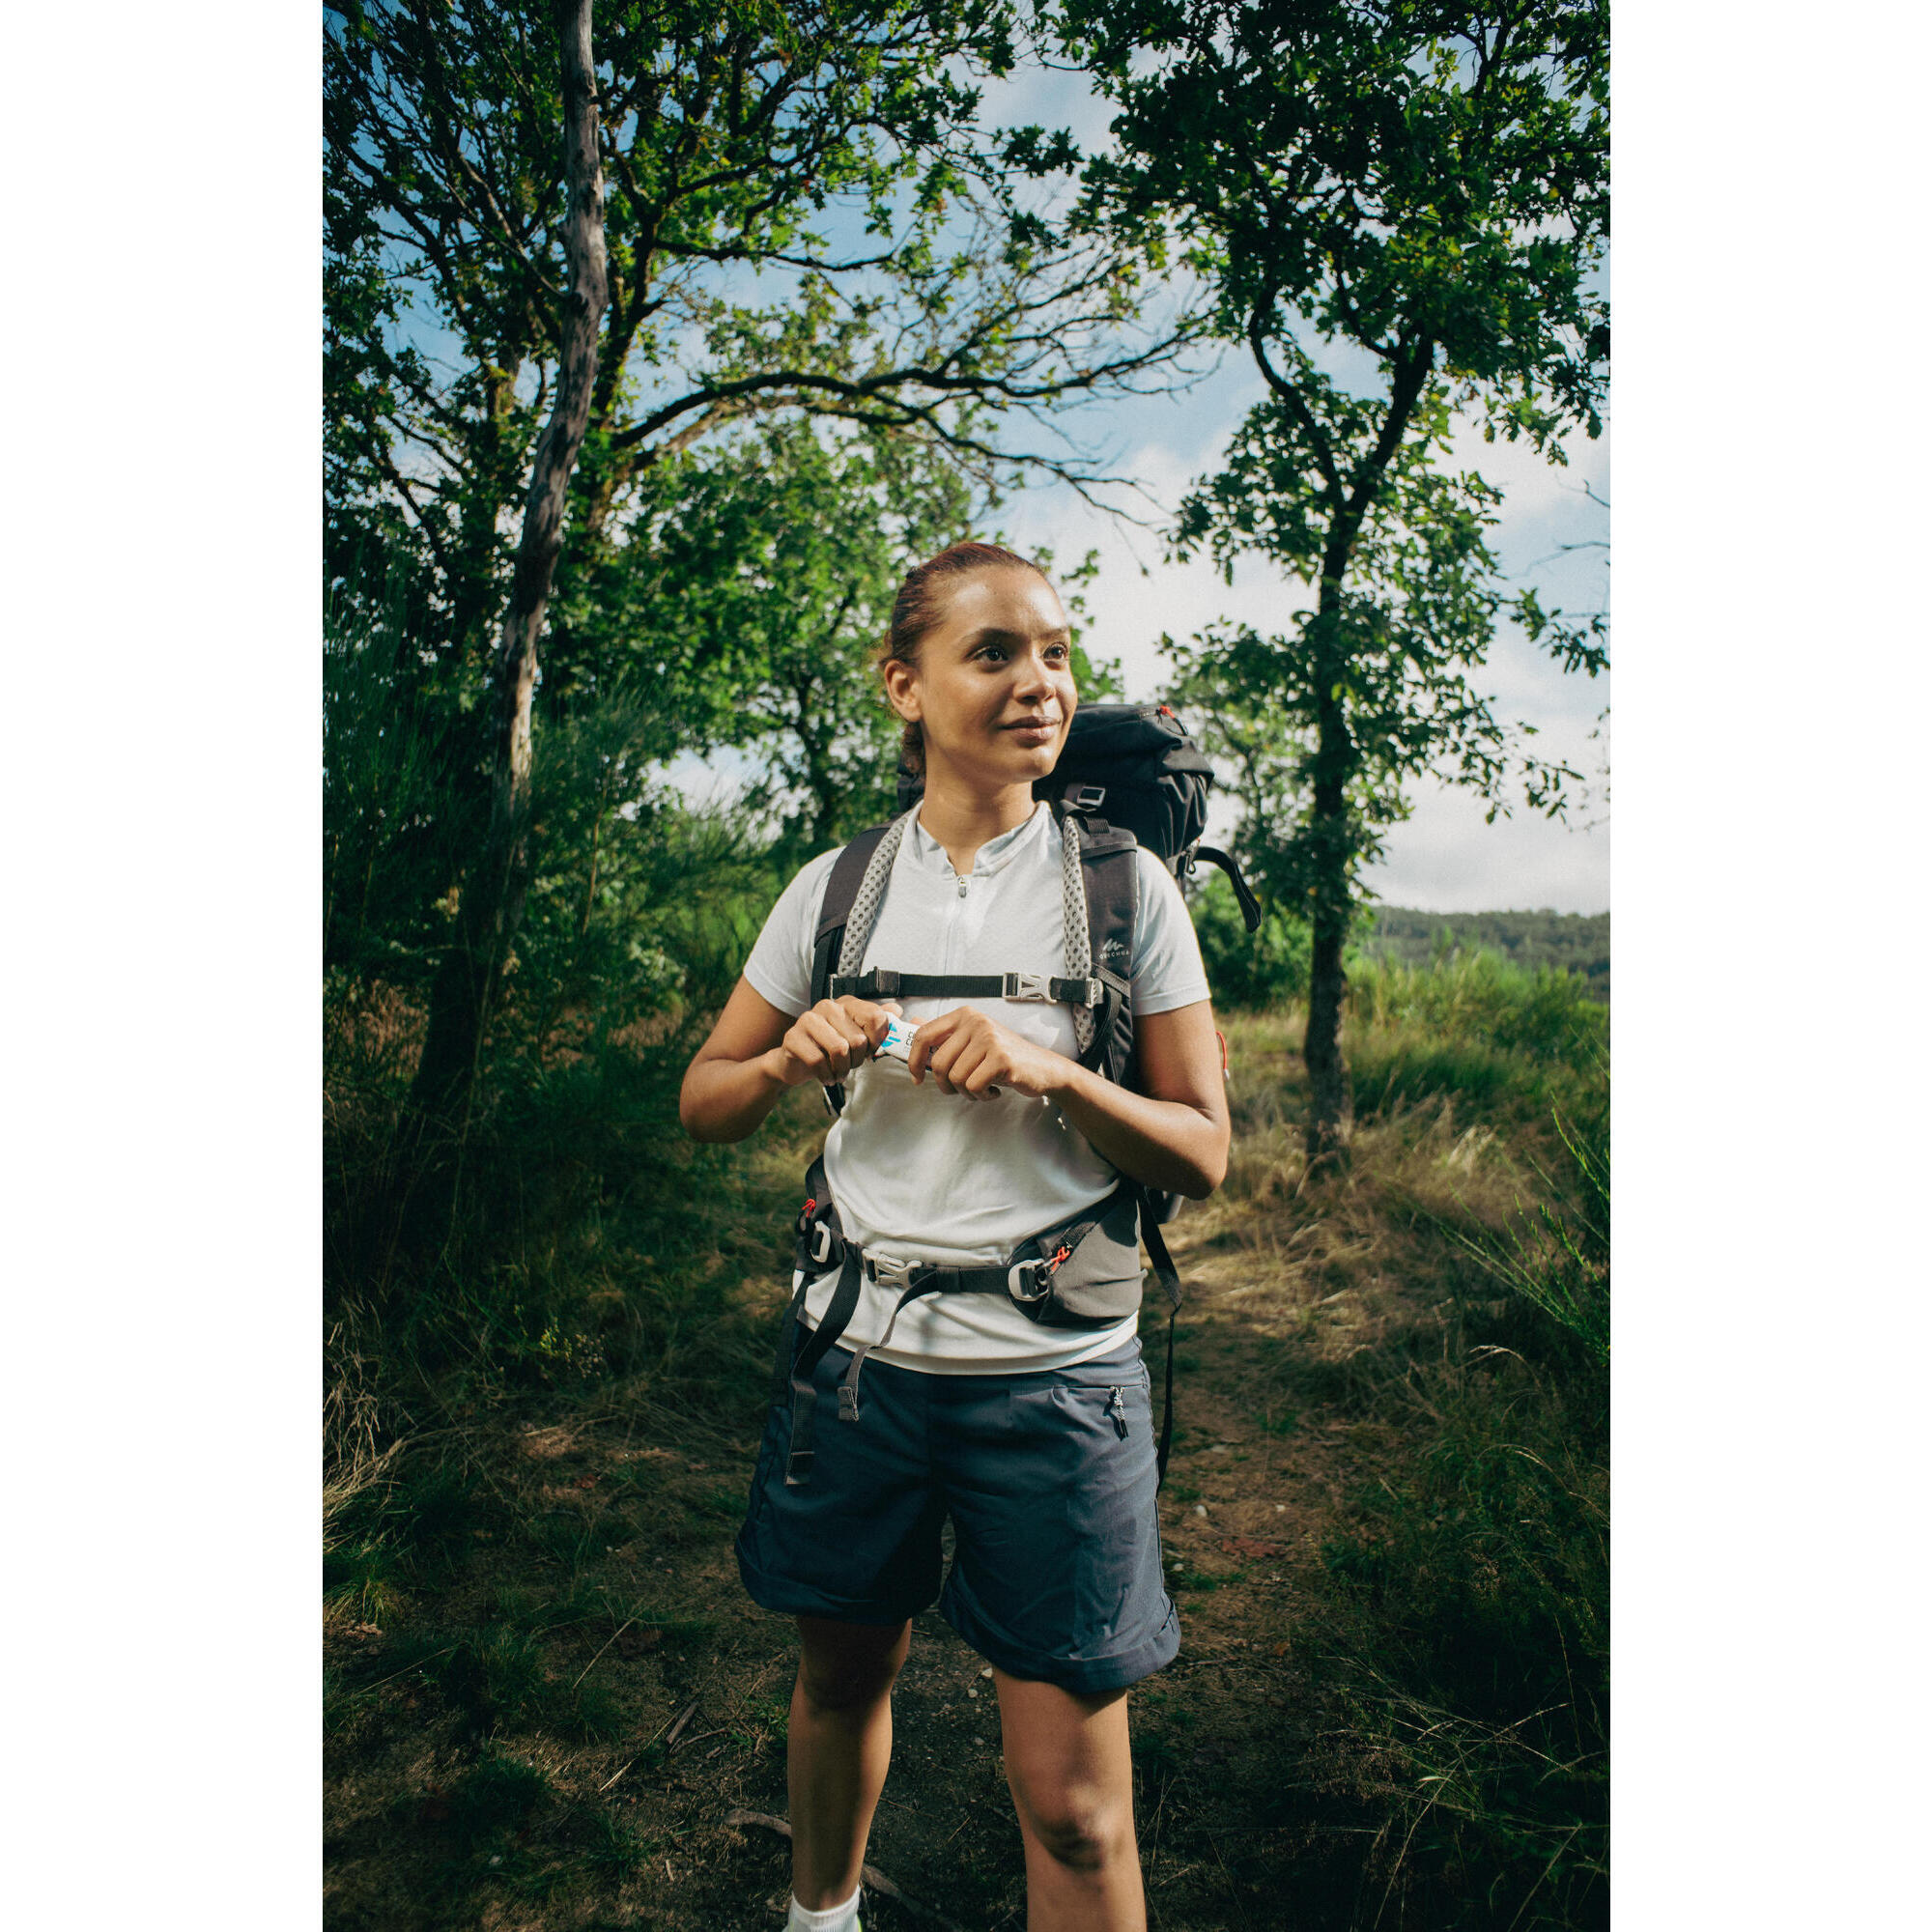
732 134
775 562
1399 207
493 898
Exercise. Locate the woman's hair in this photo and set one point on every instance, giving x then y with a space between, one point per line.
917 609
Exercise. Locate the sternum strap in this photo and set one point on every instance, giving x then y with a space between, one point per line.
881 983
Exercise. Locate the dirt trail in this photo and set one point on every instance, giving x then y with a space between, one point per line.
688 1680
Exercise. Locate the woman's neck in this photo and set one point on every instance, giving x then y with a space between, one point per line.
963 820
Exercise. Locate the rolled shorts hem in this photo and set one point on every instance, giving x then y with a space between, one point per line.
786 1597
1088 1674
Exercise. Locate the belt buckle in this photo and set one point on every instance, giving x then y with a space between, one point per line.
1027 986
1032 1272
889 1271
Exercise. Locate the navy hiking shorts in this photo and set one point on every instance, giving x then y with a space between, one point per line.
1049 1479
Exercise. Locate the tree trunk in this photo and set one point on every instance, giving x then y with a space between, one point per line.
1332 838
494 891
1328 1111
1332 864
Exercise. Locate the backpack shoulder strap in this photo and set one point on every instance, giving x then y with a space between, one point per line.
1244 893
1112 874
841 888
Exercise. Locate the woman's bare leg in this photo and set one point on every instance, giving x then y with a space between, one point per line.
1072 1779
838 1743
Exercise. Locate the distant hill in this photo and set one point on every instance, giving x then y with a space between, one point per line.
1578 941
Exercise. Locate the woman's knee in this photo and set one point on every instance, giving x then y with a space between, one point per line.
1081 1826
848 1666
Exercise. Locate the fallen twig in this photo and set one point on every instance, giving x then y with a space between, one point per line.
684 1718
603 1647
871 1875
408 1667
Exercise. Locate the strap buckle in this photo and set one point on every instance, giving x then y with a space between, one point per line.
1027 986
1034 1272
819 1246
889 1271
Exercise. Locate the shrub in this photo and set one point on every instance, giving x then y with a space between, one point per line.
1247 970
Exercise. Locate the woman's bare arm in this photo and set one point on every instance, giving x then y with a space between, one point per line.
1174 1132
754 1052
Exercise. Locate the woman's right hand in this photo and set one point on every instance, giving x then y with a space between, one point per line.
827 1043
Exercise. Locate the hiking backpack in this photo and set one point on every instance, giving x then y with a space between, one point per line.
1136 763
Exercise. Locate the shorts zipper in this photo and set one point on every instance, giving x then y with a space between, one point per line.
1116 1408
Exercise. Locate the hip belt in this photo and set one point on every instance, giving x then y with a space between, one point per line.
1084 1272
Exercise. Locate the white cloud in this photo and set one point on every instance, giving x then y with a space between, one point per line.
1444 859
1448 860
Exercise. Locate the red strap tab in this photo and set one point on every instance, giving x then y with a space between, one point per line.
1223 1039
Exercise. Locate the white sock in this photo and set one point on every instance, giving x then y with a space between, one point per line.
833 1918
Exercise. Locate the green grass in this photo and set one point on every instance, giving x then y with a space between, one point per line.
1504 1041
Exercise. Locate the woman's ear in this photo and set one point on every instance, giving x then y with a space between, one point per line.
902 683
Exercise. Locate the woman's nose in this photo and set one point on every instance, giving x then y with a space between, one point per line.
1035 674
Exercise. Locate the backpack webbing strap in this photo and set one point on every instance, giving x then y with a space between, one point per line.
1170 1280
882 982
1166 1411
848 1388
844 1300
787 1339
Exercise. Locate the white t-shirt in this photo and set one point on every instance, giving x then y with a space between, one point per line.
939 1178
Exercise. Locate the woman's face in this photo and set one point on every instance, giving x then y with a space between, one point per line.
993 688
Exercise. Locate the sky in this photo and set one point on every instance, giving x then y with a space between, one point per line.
1443 857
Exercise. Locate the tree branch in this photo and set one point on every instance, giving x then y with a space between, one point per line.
1324 454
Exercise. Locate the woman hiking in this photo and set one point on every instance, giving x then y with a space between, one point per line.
1035 1438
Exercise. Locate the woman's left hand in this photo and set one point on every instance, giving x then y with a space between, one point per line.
967 1053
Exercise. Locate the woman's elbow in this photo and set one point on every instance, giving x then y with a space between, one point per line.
1199 1178
1210 1169
1203 1180
691 1112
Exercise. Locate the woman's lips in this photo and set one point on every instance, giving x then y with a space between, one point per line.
1033 733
